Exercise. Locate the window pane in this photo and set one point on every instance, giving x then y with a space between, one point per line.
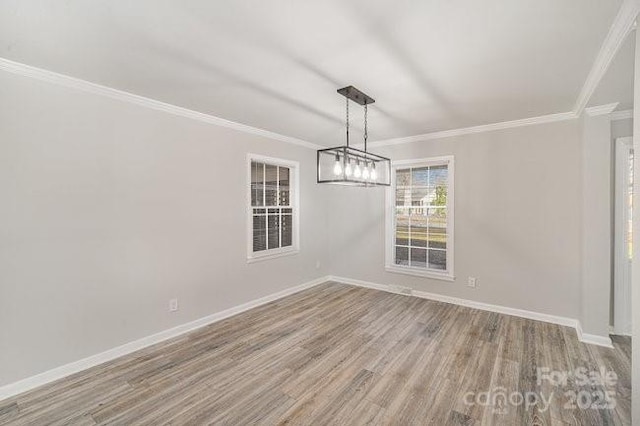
420 176
439 186
259 233
421 217
257 175
403 196
438 259
437 240
403 178
402 256
272 214
438 195
437 214
273 230
438 220
439 175
271 185
402 230
421 196
287 230
419 257
284 198
419 230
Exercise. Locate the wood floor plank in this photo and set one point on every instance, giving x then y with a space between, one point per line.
338 354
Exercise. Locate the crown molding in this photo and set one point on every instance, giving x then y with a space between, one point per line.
601 109
550 118
97 89
623 23
626 114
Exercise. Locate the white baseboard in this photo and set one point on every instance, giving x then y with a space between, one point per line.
537 316
624 332
94 360
57 373
593 339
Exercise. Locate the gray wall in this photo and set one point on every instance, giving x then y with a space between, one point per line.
597 224
111 209
517 226
621 128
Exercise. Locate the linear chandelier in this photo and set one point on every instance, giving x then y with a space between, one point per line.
344 165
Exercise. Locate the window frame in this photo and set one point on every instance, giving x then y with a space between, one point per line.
390 225
294 194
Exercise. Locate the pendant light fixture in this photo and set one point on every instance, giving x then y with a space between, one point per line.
344 165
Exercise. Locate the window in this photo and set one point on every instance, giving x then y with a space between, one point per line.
273 208
420 218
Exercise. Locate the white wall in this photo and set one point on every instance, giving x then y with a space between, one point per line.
110 209
517 226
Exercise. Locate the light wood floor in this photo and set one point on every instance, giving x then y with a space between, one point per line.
337 354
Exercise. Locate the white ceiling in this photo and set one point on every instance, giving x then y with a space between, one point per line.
617 84
276 65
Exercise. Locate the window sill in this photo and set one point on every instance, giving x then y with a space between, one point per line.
420 273
267 256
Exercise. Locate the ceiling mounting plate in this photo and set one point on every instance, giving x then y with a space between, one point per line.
355 95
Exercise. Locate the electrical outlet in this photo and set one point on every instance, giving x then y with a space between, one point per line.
472 282
173 305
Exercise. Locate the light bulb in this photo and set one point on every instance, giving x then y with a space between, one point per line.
374 174
337 168
357 172
365 172
347 169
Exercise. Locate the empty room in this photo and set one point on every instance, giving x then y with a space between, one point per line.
319 212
